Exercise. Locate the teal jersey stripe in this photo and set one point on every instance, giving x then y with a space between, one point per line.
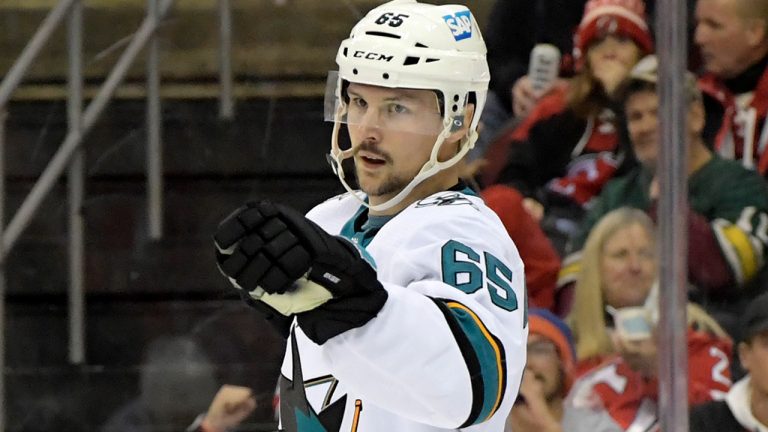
308 422
360 237
488 358
469 191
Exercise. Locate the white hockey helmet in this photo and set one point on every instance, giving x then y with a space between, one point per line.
405 44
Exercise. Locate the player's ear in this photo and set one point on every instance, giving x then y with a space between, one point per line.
457 135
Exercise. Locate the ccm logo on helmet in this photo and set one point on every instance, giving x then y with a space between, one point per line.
372 55
460 24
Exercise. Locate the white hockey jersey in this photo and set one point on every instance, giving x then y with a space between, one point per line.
447 350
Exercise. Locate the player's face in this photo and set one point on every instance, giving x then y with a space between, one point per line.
544 363
641 109
627 267
754 357
393 132
723 37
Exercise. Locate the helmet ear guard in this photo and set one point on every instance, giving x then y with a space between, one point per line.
409 45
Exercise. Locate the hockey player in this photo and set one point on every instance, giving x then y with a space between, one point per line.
403 303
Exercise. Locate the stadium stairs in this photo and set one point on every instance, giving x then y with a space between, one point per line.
139 289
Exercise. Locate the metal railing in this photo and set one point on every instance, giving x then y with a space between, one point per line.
70 155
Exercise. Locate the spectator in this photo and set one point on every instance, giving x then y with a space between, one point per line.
745 408
619 269
514 28
548 375
51 413
732 38
622 394
728 204
542 263
177 381
562 154
231 405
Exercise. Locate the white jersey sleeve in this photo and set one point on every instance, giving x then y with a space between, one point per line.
447 350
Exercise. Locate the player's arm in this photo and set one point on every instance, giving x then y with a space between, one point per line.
439 361
428 351
448 349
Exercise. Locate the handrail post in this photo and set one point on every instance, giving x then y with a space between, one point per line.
673 202
226 104
3 197
154 130
32 49
61 158
76 190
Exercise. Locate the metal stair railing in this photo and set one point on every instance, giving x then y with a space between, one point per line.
70 156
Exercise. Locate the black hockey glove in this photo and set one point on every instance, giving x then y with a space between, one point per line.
283 259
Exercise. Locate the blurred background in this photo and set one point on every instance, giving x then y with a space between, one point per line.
158 330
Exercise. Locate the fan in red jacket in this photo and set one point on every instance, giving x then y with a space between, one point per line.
622 394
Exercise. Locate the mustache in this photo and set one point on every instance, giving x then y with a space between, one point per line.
371 147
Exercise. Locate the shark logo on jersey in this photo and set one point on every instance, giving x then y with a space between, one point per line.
309 423
445 200
460 24
296 413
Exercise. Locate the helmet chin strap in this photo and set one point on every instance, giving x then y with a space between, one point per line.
430 168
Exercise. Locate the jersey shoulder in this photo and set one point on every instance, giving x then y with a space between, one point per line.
334 212
450 215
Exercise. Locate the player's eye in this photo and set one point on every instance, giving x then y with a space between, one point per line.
398 109
358 102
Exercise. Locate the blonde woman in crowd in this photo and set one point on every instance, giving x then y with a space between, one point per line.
619 269
617 281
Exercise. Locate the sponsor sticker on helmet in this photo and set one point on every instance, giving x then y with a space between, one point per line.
460 24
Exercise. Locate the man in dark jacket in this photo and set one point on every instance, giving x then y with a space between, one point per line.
745 408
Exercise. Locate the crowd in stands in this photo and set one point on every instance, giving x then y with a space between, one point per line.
572 174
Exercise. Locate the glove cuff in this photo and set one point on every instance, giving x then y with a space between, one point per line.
279 322
339 315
